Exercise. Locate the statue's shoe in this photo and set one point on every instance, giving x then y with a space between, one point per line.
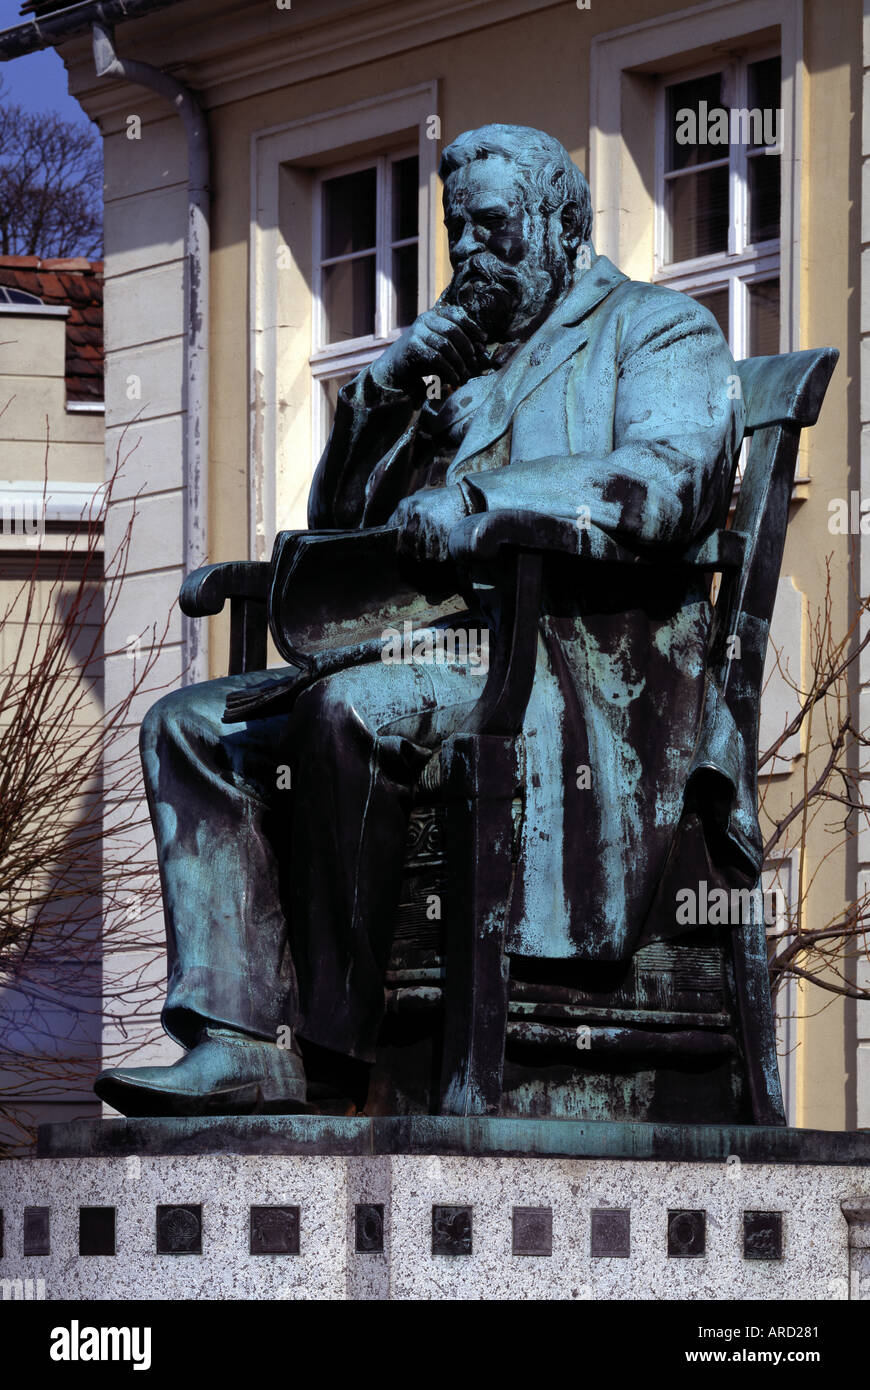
224 1074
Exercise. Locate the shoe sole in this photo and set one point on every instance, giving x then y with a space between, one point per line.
139 1102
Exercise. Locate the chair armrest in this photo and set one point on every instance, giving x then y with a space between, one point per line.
246 584
484 536
206 590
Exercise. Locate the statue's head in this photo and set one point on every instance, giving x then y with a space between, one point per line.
517 210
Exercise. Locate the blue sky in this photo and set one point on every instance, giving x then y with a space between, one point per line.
37 82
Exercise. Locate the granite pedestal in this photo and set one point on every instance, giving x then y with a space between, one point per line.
429 1208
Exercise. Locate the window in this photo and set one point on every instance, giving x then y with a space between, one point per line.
292 363
780 884
366 249
10 296
718 205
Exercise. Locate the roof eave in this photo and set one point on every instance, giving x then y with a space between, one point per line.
72 22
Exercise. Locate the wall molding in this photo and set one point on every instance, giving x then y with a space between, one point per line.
306 42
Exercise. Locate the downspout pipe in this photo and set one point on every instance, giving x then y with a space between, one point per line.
196 317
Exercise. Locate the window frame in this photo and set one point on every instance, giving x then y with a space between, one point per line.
279 392
743 262
32 300
348 356
786 1002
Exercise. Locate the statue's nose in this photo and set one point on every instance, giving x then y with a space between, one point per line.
466 246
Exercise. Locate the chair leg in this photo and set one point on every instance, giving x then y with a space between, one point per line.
479 789
689 863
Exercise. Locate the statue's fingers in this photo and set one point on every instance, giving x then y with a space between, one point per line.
463 319
409 524
468 350
448 358
428 542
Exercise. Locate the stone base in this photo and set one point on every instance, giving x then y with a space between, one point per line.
309 1223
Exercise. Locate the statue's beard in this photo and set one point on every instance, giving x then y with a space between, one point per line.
489 292
503 300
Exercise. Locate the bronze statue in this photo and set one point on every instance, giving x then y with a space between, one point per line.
546 456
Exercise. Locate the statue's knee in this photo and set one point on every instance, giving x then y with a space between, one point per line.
179 709
156 719
323 712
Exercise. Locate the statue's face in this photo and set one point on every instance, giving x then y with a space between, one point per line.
509 263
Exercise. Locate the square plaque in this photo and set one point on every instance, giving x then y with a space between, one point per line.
36 1231
687 1234
610 1233
370 1228
96 1230
762 1235
451 1230
274 1230
179 1230
533 1231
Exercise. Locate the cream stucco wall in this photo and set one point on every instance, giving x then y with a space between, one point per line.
42 442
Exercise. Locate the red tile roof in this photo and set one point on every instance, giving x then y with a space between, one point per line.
79 283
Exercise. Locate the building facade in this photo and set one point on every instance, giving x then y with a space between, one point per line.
52 461
322 124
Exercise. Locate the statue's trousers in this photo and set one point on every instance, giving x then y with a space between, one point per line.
281 844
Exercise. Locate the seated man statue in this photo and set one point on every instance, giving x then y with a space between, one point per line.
561 387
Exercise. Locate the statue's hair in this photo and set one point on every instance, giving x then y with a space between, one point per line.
548 170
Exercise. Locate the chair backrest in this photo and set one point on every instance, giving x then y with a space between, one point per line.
782 395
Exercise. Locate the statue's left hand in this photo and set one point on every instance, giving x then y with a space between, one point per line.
426 519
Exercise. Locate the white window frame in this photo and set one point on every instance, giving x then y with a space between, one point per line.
743 263
622 61
786 1002
280 476
349 356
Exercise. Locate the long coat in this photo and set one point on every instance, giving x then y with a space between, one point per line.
621 409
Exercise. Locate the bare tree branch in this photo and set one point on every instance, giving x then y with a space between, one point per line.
51 180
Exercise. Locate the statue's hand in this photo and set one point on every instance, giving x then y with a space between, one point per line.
443 342
426 519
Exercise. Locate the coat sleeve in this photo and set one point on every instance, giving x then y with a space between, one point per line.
676 428
368 421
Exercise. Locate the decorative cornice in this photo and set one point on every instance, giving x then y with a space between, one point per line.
236 54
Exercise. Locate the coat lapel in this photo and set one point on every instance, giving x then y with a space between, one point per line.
558 338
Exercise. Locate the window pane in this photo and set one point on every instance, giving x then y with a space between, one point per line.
764 94
405 188
349 299
697 208
717 302
686 96
405 281
330 389
349 204
763 197
764 319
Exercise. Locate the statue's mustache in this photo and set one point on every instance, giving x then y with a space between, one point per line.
487 273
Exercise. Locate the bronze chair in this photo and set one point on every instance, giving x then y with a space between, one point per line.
682 1031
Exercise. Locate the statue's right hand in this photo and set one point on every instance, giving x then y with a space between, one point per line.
443 342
